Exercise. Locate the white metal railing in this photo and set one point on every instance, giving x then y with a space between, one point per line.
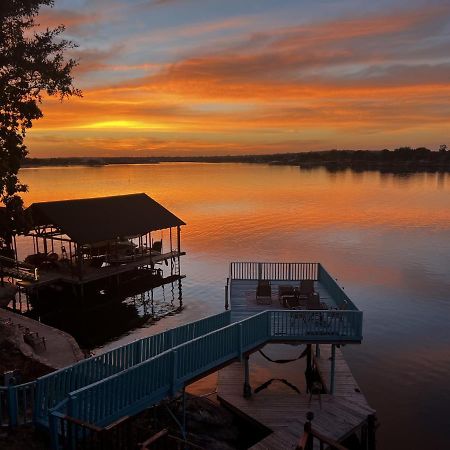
274 271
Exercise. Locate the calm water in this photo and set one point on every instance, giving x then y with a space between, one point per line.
386 237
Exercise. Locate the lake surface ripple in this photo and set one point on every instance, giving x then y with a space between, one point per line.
385 236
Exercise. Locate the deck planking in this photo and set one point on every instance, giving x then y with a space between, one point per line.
243 297
284 413
96 273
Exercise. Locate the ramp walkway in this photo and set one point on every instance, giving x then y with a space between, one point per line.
149 382
31 402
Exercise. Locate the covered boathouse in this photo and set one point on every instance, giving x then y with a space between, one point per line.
85 240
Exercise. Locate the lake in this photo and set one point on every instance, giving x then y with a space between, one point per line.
386 237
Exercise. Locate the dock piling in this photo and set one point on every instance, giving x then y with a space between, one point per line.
371 431
333 367
247 387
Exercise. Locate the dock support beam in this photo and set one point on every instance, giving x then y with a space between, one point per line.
333 367
371 430
179 248
247 387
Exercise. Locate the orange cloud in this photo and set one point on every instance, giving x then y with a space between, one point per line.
293 88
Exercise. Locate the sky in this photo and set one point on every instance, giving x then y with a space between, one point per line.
220 77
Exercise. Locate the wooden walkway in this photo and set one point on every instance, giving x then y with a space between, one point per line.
284 411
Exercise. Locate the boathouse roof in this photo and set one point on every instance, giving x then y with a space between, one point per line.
91 220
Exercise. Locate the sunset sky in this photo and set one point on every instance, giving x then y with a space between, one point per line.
194 77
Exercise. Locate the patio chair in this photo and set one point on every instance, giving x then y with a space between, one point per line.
305 289
294 302
313 301
264 292
285 291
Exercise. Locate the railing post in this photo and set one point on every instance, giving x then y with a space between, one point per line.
333 365
360 324
138 352
269 323
227 306
259 271
171 339
174 371
12 405
53 429
37 400
247 387
308 429
240 341
72 411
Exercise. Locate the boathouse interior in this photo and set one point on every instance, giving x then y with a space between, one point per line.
86 237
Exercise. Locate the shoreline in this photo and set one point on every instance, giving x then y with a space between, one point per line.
403 160
42 343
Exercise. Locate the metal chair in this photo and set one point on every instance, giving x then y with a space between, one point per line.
264 293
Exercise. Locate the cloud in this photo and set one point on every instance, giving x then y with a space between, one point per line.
364 81
77 23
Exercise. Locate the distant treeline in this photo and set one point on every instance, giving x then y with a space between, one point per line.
400 159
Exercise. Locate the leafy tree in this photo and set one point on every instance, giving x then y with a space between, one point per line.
32 64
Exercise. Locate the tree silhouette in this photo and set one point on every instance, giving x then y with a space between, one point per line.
31 64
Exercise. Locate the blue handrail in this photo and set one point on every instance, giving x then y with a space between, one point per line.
30 402
149 382
338 295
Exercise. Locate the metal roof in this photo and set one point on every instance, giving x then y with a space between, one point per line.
91 220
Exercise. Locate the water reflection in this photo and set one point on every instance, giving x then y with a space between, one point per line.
119 311
386 235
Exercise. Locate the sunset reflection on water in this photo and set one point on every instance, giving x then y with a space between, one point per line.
385 236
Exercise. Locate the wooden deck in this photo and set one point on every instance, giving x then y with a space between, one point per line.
243 297
93 273
284 412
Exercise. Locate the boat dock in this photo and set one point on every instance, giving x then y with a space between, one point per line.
91 274
339 407
78 242
283 412
94 396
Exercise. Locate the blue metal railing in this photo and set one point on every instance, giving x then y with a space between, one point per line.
339 296
54 387
30 402
149 382
16 404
